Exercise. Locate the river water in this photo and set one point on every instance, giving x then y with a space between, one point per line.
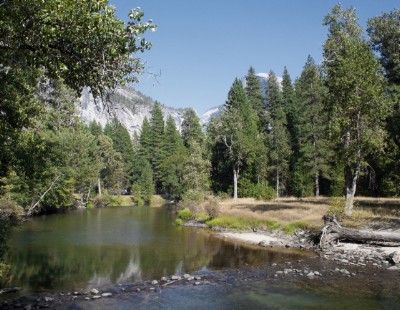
117 246
92 248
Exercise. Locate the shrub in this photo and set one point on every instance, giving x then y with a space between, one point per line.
185 214
140 202
4 271
178 221
101 201
336 207
259 191
211 207
193 195
264 191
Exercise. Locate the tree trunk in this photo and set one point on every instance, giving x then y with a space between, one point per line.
235 183
32 208
99 186
333 232
350 186
316 184
277 183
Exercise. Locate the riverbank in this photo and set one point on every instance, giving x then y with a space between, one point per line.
372 215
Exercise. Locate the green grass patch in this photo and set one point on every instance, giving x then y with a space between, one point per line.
292 227
185 214
243 223
202 217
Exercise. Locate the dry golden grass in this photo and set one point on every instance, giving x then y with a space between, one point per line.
381 207
308 210
281 210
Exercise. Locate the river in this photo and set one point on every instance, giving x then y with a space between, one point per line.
92 248
115 247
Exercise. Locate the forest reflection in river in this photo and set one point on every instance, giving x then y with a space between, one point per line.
90 248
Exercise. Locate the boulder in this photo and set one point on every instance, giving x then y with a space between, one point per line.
94 291
394 257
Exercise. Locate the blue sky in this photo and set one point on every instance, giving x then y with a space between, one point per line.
201 46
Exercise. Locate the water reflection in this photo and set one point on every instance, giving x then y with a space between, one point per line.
91 248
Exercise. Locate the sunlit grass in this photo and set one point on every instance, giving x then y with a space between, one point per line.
283 210
121 201
157 201
242 222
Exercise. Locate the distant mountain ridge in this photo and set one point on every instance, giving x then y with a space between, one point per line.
130 107
127 105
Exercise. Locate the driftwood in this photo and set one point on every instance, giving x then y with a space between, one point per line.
333 231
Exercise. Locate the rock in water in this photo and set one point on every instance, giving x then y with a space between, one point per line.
94 291
394 257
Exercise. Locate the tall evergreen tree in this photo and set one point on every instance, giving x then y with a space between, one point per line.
254 94
278 135
172 137
191 128
237 131
157 128
310 128
122 142
355 88
288 103
291 110
95 128
145 149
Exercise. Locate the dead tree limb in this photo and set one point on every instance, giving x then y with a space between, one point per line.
333 231
32 208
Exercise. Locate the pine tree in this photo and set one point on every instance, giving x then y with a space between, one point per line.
237 132
172 137
277 133
145 149
291 110
288 104
95 128
122 142
146 183
311 129
157 152
171 173
254 94
191 128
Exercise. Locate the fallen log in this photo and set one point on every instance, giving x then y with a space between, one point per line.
333 231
